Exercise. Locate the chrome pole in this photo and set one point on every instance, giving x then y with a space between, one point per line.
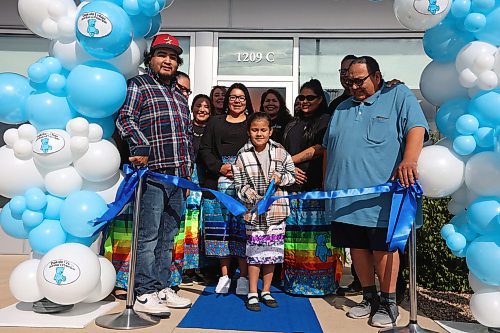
412 326
129 319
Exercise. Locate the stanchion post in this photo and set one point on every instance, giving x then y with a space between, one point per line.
412 326
129 319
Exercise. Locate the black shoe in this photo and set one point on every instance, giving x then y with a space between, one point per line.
186 280
254 306
351 290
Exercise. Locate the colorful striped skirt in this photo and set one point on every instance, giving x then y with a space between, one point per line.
265 247
312 266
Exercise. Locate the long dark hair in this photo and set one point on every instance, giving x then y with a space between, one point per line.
212 92
242 87
283 113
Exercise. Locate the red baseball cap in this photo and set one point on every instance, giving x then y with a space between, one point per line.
166 41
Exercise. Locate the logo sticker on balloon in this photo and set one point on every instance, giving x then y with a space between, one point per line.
95 25
61 272
431 7
48 142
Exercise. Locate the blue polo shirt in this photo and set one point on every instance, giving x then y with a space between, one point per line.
365 142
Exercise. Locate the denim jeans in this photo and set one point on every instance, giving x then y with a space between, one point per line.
160 217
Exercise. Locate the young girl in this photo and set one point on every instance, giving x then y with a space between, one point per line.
259 162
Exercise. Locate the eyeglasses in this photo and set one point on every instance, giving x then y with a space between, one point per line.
358 81
184 90
309 98
234 98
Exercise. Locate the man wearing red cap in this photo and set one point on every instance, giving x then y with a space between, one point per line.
155 121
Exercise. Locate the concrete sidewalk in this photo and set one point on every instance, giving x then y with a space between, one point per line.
330 310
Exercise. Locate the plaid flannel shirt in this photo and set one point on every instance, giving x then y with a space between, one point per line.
251 182
155 120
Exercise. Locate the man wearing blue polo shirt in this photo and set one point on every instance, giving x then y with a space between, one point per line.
373 137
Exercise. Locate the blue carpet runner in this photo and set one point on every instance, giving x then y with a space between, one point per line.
228 312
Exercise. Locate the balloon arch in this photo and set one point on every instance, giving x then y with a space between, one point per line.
53 171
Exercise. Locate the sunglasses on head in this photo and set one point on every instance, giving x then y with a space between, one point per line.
309 98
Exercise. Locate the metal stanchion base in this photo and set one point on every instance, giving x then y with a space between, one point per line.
127 320
410 328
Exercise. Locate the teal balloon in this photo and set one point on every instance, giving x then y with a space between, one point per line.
482 255
84 241
448 114
107 124
467 124
484 106
489 33
36 199
483 215
14 92
78 209
447 230
18 206
10 225
47 111
444 41
32 219
104 40
46 236
456 241
53 209
155 26
96 89
485 137
464 145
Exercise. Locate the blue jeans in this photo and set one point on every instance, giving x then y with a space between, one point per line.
160 217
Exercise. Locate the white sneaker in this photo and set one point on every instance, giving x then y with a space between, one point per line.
171 299
151 304
242 286
223 285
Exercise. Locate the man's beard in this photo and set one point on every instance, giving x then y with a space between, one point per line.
166 78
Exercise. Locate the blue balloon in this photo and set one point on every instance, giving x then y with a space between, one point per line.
142 25
464 145
131 7
467 231
84 241
107 124
53 209
456 241
47 111
52 64
484 106
462 253
459 220
46 236
57 84
483 216
489 33
18 206
38 72
36 199
96 89
483 252
78 209
32 219
485 137
444 41
14 92
467 124
104 29
10 225
447 230
483 6
474 22
155 26
460 8
448 114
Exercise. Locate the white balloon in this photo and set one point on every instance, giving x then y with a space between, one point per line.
467 78
106 283
487 80
10 137
496 66
483 62
56 9
70 54
49 28
22 282
440 171
68 273
79 146
23 149
456 208
100 162
478 286
16 176
472 51
95 133
131 59
66 27
51 149
418 14
439 83
78 126
27 132
63 182
106 189
485 306
482 173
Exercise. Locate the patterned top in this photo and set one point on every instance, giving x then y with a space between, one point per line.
251 184
155 120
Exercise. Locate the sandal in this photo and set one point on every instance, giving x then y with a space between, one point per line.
120 294
270 302
252 307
